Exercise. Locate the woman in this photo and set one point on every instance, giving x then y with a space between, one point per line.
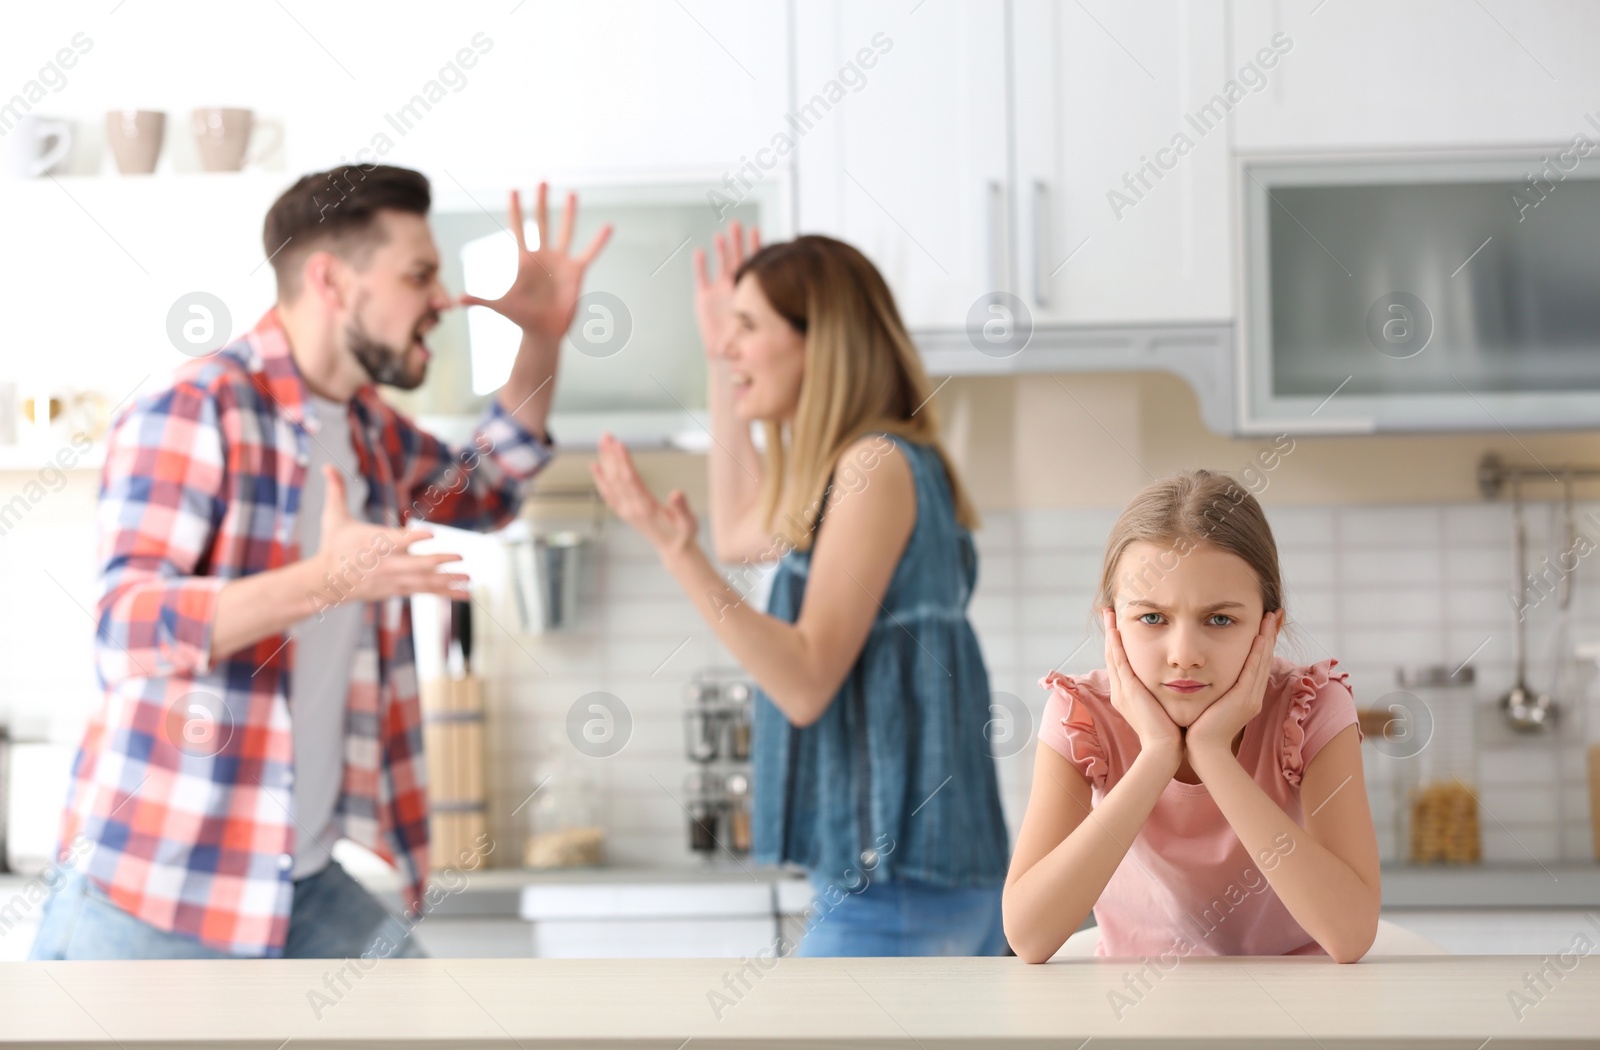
871 765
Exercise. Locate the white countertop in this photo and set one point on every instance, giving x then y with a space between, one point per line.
1553 885
911 1003
500 891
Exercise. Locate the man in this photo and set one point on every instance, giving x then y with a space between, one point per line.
253 640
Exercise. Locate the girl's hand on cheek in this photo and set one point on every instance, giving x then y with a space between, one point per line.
1158 734
1218 724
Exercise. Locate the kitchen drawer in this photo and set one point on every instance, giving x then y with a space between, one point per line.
475 938
655 938
664 900
1498 931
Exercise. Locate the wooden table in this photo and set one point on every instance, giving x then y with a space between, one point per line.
929 1004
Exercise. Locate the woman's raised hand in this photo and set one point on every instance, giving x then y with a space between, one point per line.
713 299
670 527
1157 732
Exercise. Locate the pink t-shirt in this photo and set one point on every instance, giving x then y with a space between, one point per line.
1187 885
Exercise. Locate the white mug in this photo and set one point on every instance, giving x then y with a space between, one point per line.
8 412
29 151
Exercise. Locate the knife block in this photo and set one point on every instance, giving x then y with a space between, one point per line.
452 737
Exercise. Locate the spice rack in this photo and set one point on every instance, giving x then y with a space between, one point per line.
716 731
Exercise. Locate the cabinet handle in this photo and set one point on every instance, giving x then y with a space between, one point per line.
1041 242
993 203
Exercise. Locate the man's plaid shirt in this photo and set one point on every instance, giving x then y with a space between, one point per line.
183 779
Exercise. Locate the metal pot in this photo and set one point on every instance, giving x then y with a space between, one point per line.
544 571
5 795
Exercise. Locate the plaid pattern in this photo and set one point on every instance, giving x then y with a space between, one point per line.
182 781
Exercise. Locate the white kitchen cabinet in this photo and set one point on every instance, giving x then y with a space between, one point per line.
1425 73
1121 115
901 119
1001 148
573 91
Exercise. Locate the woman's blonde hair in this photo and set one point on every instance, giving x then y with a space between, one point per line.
862 374
1189 510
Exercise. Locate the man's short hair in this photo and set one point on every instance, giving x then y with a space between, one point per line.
337 211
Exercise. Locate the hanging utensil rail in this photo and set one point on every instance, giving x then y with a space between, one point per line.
1494 473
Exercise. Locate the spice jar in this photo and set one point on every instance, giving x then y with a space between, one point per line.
704 803
1441 792
738 807
736 700
702 723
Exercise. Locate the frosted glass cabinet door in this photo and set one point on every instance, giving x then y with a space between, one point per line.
1423 295
1122 124
901 129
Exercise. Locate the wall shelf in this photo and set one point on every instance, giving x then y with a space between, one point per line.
31 458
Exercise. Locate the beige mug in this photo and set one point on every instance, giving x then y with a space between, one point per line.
223 135
135 137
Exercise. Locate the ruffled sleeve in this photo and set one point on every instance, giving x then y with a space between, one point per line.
1320 706
1069 725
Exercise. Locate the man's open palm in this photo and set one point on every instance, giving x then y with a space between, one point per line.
544 296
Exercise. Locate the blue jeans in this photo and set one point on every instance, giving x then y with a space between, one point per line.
903 918
332 918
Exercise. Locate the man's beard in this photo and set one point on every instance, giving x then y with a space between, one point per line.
383 363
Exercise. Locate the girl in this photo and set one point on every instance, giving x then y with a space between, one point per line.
1229 779
871 764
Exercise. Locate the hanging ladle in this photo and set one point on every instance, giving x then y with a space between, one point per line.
1526 711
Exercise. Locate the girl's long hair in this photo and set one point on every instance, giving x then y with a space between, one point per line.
862 374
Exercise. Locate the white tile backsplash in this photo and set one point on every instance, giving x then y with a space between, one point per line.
1520 843
1302 528
1313 606
1506 766
1388 566
1477 566
1064 611
1064 528
1503 802
1477 524
1050 571
1307 567
1408 608
1389 527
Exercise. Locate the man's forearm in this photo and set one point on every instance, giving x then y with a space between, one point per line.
531 385
264 604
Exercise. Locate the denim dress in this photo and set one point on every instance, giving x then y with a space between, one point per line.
896 780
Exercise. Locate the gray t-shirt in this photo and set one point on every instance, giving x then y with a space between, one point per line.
325 650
